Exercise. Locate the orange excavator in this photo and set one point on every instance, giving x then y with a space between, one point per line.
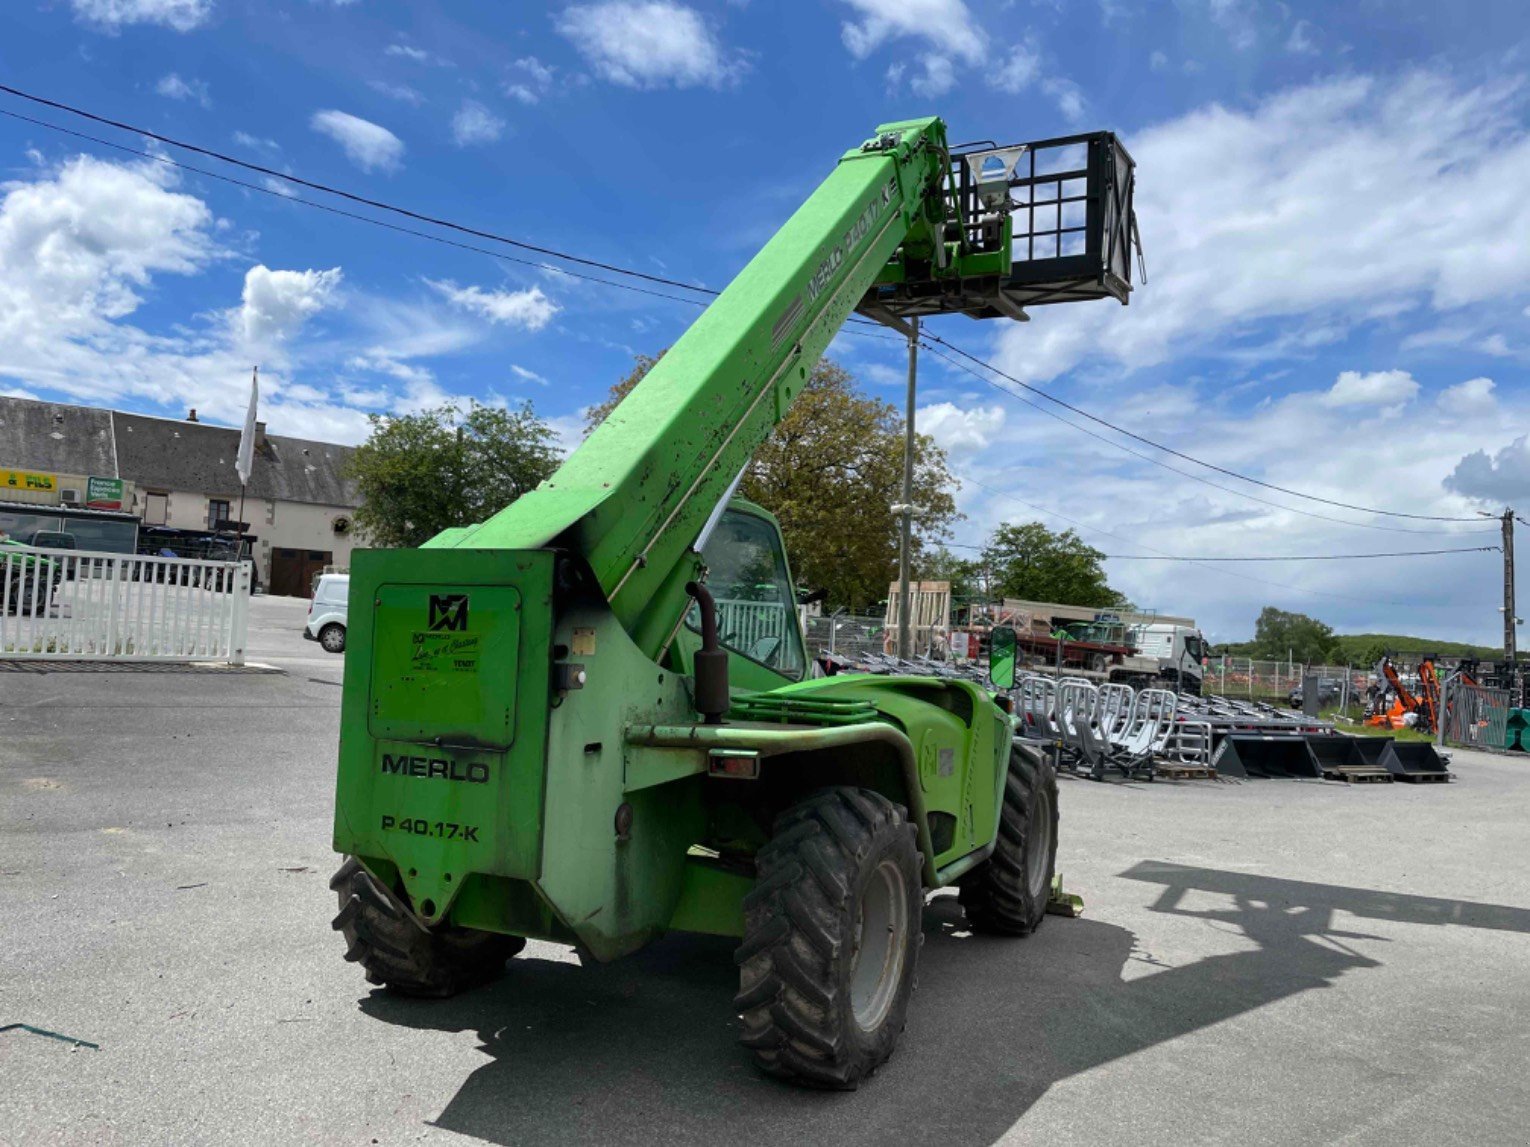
1423 706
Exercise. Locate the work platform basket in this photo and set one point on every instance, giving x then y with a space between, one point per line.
1069 200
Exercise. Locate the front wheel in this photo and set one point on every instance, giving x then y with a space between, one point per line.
332 637
1007 894
831 939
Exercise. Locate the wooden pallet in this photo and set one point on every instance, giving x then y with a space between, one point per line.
1358 774
1426 778
1185 772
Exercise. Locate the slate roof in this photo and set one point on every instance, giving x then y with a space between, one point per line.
163 453
53 437
169 454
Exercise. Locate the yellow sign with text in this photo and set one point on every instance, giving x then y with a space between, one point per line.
25 480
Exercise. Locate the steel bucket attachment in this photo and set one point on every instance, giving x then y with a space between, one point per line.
1265 757
1341 758
1416 761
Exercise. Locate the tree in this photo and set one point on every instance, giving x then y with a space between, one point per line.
1278 635
964 574
1030 562
419 474
831 472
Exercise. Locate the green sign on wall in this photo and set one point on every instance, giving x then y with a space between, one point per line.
103 493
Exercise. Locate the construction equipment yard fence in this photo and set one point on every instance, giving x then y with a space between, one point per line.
69 605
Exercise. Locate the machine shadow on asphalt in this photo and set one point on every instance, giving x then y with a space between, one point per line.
634 1051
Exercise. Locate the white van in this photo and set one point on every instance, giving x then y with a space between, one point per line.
326 612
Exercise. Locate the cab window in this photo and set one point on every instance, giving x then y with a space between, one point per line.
756 615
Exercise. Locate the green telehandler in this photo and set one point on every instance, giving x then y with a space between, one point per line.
591 719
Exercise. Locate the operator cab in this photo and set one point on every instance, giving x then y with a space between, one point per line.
756 607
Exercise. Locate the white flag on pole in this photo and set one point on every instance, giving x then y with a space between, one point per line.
246 460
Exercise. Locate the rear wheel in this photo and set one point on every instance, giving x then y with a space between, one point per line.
332 637
1007 894
397 951
831 939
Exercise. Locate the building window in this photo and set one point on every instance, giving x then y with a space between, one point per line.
217 511
156 509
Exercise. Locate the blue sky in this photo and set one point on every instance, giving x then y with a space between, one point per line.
1332 201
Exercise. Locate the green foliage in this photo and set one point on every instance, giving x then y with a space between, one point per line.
1358 649
1030 562
964 574
1279 635
831 472
419 474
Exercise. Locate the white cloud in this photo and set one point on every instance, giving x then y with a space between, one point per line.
78 247
1380 390
174 88
1021 65
1474 396
529 309
531 80
475 124
401 92
1502 478
369 146
960 429
1317 209
275 304
937 77
82 247
1238 19
182 15
1158 62
528 375
408 52
1067 95
255 142
946 25
653 44
1300 41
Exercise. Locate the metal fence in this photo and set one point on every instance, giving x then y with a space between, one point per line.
70 605
1474 716
848 635
1342 685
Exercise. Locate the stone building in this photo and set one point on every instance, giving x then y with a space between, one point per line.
99 472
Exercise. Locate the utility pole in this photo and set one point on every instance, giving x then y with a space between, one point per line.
1510 642
1509 650
906 509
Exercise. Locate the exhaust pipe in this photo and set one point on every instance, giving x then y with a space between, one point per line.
711 662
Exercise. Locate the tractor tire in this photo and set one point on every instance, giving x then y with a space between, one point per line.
332 637
1007 894
398 953
831 939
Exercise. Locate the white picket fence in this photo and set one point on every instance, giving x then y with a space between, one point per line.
69 605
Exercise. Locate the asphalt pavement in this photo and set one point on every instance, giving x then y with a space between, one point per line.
1265 962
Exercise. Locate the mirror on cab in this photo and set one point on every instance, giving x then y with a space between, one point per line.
1001 657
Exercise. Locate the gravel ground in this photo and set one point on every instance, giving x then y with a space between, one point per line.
1266 962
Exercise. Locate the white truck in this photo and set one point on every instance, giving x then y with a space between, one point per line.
1177 652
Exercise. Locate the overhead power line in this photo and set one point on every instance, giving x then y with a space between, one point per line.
1162 557
1052 414
1214 568
1188 457
616 269
327 189
294 198
1302 557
